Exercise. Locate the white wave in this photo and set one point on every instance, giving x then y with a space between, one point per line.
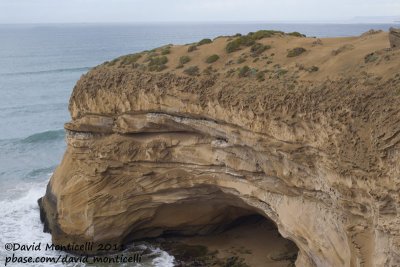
164 260
20 223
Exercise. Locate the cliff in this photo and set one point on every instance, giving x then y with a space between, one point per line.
185 139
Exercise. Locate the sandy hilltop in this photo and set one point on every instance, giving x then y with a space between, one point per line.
265 149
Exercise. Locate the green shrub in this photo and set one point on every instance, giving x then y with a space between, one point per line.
165 51
370 58
257 49
236 44
208 71
157 63
157 67
263 34
192 71
281 72
296 34
158 60
112 62
244 71
296 52
129 59
212 59
240 60
249 39
204 41
192 48
260 76
184 59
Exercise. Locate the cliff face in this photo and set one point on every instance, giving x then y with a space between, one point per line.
316 151
394 37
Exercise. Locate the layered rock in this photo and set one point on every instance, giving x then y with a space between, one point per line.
316 151
394 36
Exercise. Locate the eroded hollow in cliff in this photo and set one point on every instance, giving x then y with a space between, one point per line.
208 217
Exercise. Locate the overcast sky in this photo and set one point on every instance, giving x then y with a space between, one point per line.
43 11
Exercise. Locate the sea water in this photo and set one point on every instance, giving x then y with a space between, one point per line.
39 65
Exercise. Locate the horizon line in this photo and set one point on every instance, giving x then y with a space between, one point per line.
333 21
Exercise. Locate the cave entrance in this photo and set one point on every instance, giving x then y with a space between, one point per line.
209 227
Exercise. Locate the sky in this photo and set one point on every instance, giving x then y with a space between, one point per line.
119 11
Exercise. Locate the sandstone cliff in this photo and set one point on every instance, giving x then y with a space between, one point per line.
301 130
394 36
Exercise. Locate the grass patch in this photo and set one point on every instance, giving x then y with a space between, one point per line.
257 49
204 41
212 59
297 51
192 71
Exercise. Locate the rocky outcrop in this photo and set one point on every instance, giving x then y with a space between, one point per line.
152 153
394 36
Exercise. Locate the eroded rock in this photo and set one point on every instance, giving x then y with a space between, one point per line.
394 37
169 153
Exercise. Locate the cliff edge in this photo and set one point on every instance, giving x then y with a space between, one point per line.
185 139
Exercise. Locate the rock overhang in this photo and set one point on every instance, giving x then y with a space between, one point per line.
318 159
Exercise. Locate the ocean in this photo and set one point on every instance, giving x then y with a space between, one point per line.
39 65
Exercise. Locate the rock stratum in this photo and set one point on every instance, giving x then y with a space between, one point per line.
185 139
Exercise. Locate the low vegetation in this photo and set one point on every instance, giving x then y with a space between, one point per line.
192 48
281 72
204 41
297 51
342 49
165 51
212 59
309 69
244 71
184 59
126 60
240 60
370 58
249 39
192 71
257 49
260 76
258 35
157 63
296 34
237 44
